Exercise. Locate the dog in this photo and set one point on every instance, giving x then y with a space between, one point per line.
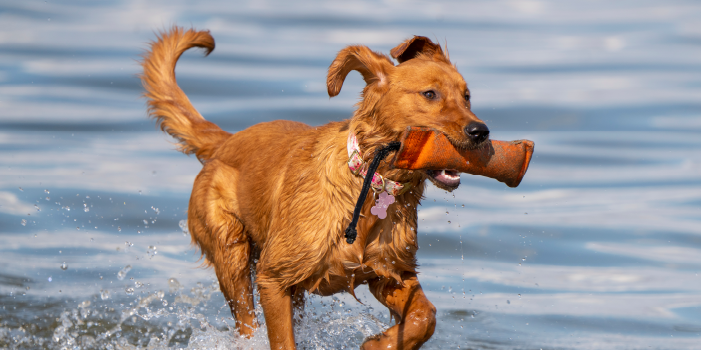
275 198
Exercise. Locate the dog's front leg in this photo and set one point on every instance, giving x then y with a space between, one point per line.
416 316
277 308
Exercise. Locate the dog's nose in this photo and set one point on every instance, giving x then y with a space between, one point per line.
477 132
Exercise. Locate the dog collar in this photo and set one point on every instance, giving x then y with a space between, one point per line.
358 166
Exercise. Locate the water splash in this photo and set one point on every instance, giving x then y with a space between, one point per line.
159 321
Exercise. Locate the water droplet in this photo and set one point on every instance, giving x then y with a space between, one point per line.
183 226
123 272
46 191
448 221
104 294
138 284
85 208
64 266
173 285
48 198
151 251
145 222
119 228
24 222
508 301
130 290
463 205
84 304
36 207
165 302
50 279
519 296
21 189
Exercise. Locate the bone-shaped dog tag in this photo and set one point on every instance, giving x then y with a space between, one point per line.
380 208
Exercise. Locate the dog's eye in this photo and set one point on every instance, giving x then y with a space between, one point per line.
429 94
467 97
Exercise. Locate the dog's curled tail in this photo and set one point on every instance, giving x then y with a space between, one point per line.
167 103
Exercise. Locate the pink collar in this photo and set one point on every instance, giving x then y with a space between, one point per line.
357 166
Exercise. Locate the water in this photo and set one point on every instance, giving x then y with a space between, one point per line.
598 248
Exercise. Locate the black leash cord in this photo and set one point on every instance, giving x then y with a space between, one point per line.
351 232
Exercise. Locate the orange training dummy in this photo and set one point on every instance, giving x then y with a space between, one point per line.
425 148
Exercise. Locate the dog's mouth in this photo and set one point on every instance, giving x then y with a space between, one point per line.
444 179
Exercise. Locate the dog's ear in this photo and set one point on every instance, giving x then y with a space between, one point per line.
410 48
373 66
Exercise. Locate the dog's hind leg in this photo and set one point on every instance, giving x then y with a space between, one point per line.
224 240
416 316
235 282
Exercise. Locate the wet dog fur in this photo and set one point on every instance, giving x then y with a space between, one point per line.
282 191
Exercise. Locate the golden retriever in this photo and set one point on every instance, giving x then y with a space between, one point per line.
283 191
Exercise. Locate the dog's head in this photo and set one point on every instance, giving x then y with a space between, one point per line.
425 90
